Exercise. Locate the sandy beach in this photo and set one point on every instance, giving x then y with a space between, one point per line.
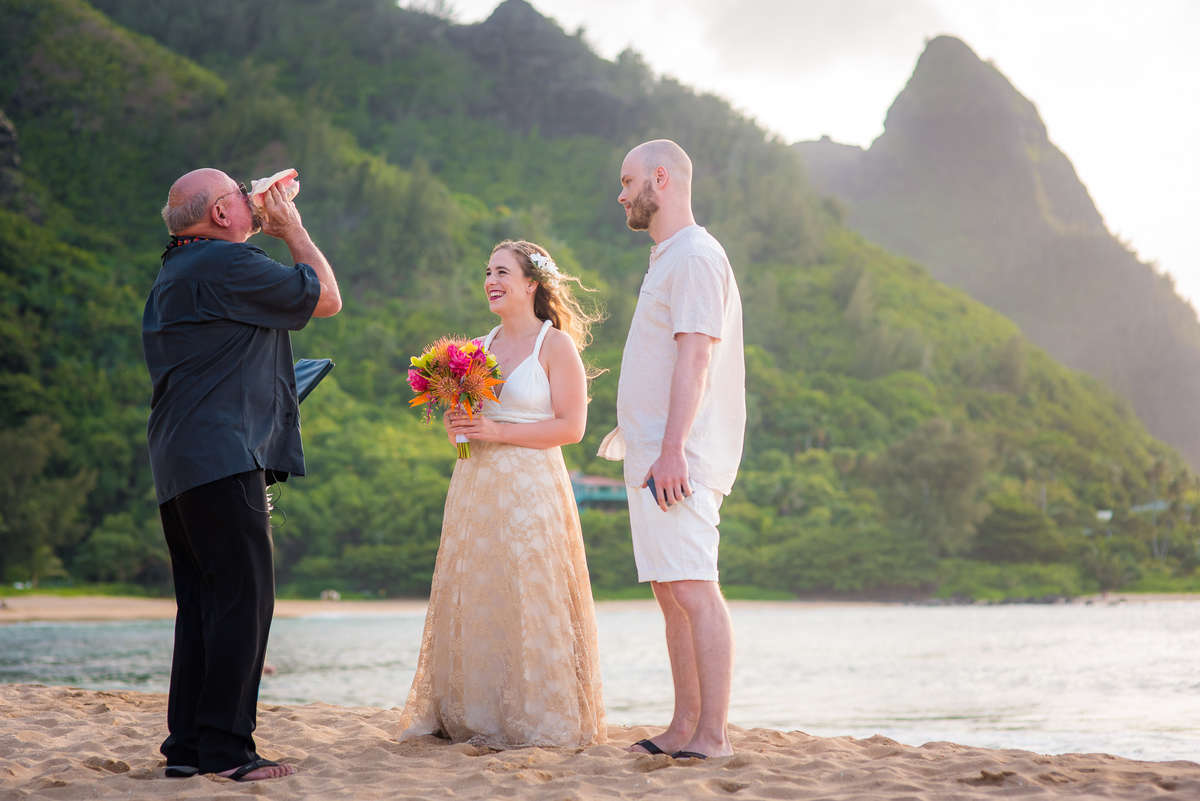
71 744
26 608
60 743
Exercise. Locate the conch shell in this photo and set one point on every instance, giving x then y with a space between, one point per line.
288 181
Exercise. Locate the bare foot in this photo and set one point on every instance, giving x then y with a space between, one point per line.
257 770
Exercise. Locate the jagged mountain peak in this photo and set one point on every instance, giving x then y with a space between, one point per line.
518 17
945 51
952 86
966 180
961 130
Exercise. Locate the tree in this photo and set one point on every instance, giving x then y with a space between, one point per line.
931 481
1017 531
39 507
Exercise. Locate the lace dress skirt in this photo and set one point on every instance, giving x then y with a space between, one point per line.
509 655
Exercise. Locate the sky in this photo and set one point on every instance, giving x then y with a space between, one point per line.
1117 83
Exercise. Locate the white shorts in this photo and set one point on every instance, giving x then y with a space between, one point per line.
679 544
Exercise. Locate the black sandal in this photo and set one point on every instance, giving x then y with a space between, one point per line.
181 771
240 774
688 755
650 747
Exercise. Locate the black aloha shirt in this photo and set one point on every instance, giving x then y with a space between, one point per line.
215 337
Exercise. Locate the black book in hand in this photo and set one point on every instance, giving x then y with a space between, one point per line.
309 373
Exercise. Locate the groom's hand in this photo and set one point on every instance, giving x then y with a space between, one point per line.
670 477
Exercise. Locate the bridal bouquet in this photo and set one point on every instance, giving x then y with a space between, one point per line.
454 374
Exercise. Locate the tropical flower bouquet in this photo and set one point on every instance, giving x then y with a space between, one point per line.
454 374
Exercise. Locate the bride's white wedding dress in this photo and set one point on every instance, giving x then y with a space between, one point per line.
509 654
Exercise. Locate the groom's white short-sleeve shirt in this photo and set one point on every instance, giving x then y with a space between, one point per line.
688 288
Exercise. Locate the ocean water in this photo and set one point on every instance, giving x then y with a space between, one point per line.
1120 679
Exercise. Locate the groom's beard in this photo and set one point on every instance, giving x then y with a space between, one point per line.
642 209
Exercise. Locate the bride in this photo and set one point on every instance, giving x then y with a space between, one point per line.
508 657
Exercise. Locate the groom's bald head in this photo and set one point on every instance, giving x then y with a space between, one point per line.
665 154
656 184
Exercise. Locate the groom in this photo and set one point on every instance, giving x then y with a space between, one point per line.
681 414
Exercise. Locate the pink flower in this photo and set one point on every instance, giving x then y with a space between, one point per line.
459 362
417 381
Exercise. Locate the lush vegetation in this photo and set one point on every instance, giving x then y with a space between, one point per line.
903 439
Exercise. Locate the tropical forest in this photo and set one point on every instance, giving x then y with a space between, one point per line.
913 431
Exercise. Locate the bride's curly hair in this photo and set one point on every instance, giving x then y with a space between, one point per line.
553 300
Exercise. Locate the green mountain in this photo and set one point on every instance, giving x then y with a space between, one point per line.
903 439
965 180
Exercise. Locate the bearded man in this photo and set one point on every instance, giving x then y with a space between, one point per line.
681 418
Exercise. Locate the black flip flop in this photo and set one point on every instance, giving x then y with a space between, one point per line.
181 771
650 747
688 755
240 774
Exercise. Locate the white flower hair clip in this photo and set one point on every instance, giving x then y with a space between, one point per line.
544 266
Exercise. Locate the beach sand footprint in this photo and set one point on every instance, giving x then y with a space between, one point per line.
57 744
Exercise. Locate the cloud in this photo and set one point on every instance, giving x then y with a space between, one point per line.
773 36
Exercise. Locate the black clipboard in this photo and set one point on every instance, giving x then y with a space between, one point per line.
309 373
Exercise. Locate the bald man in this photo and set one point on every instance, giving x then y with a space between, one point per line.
681 416
224 423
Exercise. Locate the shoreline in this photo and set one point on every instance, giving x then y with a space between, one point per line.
101 608
98 608
64 742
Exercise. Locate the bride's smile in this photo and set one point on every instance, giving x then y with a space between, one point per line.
503 278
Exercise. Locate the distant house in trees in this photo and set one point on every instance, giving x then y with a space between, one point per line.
597 491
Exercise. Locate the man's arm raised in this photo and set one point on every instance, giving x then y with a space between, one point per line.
283 222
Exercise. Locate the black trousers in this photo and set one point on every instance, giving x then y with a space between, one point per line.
219 535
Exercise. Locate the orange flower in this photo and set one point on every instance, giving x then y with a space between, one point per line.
454 374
